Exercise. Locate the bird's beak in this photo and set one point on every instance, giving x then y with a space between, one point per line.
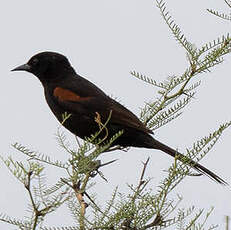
24 67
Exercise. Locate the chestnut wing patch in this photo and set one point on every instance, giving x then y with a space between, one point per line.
67 95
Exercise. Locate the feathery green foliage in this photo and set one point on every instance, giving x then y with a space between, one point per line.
222 15
177 91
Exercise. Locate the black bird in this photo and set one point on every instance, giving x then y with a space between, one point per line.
66 91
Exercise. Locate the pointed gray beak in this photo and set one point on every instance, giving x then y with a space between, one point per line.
24 67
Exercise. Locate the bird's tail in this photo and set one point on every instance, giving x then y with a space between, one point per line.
158 145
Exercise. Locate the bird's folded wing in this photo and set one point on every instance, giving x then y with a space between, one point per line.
103 105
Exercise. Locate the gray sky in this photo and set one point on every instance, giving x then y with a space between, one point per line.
105 40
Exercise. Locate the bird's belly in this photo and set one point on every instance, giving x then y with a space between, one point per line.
81 125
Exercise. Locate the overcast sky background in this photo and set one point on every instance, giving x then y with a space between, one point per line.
105 40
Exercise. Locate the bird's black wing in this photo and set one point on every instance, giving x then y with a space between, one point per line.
88 102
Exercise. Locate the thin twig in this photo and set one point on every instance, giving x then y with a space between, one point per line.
35 209
141 181
126 224
227 222
79 193
118 147
228 3
83 204
157 221
93 202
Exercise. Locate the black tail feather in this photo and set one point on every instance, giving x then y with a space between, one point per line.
158 145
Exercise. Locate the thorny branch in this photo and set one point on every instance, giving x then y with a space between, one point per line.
141 182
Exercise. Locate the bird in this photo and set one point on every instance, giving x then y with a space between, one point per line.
68 92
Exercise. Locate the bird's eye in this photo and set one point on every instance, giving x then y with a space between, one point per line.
34 61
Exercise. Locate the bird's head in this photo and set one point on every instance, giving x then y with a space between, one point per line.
47 66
